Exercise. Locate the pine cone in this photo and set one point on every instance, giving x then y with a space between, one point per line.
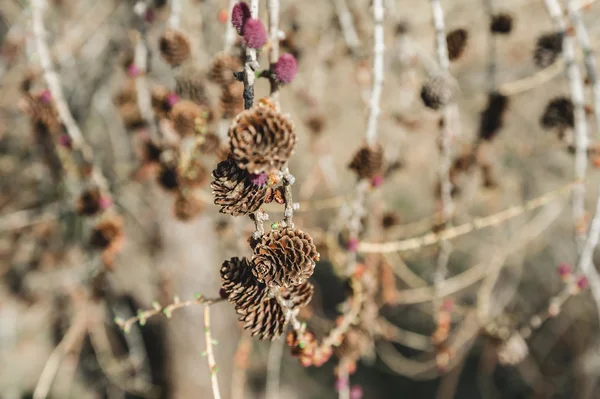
316 123
262 140
231 102
284 258
210 144
559 113
437 92
194 174
189 83
107 233
42 112
260 313
367 162
88 203
168 174
161 101
493 115
501 24
234 191
547 49
186 208
186 115
127 94
174 47
222 68
456 41
389 220
131 115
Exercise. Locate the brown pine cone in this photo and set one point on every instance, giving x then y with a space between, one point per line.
186 115
437 92
131 115
107 233
234 190
390 219
168 174
190 83
260 313
160 101
186 208
501 23
127 94
316 123
492 118
367 162
547 49
284 258
210 144
559 113
262 140
88 203
193 174
42 112
222 68
174 47
457 42
231 101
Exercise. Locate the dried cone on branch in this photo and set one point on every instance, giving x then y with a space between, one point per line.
457 42
501 24
210 144
547 49
185 208
185 115
367 162
190 83
222 68
107 233
234 189
42 112
437 92
231 102
262 139
492 118
284 258
261 314
559 114
174 47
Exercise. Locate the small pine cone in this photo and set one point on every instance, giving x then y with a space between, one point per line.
284 258
389 220
132 117
559 113
492 118
262 140
299 295
547 49
222 68
210 144
42 112
185 115
513 351
231 102
457 42
190 83
223 152
151 152
186 208
437 92
234 191
501 24
162 101
127 94
107 233
316 123
357 342
88 203
367 162
168 174
174 47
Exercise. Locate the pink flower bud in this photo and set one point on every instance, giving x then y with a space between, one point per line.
149 15
353 244
133 70
286 68
255 33
564 270
172 99
356 392
582 282
105 202
65 141
341 383
240 14
46 96
377 181
259 179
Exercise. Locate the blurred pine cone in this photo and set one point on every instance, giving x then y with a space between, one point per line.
210 144
88 202
559 113
316 123
367 162
107 233
456 41
186 115
190 83
186 208
492 118
261 314
547 49
284 258
193 174
231 102
162 101
437 92
222 68
42 112
501 23
390 219
168 174
174 47
131 116
233 190
262 140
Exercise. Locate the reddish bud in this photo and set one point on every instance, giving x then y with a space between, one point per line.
149 15
240 14
65 141
353 244
564 270
286 68
222 16
356 392
260 179
376 181
46 96
172 99
341 383
582 282
133 70
105 202
255 33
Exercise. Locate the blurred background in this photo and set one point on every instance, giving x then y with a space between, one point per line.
60 294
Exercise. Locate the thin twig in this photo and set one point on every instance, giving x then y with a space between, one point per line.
210 355
347 25
581 134
143 315
175 16
274 368
240 365
475 224
251 65
273 8
378 70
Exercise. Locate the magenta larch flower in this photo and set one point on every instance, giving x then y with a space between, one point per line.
353 244
46 96
240 13
133 70
105 202
377 181
259 179
356 392
172 99
286 68
582 282
255 33
564 269
341 383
